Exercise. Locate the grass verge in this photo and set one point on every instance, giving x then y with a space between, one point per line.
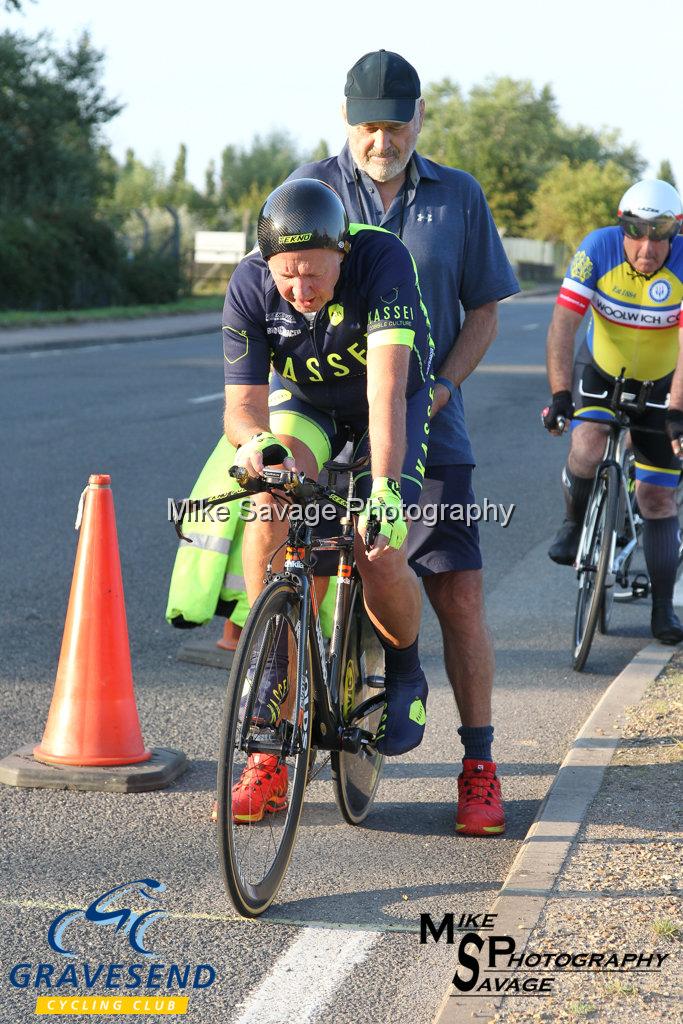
192 304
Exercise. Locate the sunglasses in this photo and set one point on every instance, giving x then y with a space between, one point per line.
659 230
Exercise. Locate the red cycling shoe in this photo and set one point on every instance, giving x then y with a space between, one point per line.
261 789
480 805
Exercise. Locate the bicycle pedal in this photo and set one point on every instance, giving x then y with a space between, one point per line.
640 587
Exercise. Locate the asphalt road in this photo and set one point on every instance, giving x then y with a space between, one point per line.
127 410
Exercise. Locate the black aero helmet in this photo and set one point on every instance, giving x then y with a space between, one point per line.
302 214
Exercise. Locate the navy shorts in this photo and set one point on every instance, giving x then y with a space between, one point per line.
450 545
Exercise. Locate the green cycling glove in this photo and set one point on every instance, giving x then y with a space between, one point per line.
384 506
264 442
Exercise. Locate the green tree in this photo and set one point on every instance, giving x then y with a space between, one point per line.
180 191
509 135
179 174
320 152
52 110
580 144
137 186
248 175
210 182
55 249
572 201
666 173
503 134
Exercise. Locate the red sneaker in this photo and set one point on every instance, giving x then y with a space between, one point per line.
261 789
480 806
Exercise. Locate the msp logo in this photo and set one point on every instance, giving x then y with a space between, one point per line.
659 291
582 266
490 964
99 913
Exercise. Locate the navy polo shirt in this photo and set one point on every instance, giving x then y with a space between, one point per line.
448 227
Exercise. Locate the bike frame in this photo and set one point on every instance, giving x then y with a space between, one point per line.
316 668
326 667
615 449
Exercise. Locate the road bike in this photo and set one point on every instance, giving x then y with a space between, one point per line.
612 525
335 691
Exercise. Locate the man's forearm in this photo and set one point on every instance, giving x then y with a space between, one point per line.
246 412
560 348
479 328
387 376
387 430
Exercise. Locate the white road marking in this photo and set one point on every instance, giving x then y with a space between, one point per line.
207 398
306 976
69 350
530 327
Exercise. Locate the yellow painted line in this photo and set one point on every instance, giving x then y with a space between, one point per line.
290 922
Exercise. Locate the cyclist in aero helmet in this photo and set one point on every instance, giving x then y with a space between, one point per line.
632 278
308 215
325 338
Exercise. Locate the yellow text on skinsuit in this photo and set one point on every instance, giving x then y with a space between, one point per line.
111 1005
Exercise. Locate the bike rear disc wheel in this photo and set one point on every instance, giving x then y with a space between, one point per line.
256 838
356 776
594 563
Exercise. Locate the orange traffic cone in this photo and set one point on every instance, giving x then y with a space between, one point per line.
93 718
231 636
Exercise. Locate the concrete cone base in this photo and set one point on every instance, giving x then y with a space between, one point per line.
21 769
205 652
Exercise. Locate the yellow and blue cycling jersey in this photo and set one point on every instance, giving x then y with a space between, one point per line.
635 319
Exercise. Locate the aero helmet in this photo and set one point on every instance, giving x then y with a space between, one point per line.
651 207
302 214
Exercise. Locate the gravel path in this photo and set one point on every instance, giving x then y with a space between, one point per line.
619 891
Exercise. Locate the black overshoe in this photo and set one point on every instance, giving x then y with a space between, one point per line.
666 626
566 543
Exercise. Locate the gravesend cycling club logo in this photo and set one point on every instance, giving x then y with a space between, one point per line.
489 964
582 266
99 913
135 983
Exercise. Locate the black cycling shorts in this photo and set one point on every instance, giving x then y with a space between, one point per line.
592 393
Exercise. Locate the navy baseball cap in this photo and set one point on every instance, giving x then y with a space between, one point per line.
381 86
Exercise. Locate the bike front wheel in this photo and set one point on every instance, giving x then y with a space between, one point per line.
594 559
356 776
264 751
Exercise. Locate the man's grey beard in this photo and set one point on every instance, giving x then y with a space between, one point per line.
381 171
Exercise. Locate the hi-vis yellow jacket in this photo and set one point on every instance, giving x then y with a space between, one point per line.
210 569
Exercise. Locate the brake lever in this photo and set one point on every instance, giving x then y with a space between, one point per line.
371 533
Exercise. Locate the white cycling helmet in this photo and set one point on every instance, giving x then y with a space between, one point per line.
651 208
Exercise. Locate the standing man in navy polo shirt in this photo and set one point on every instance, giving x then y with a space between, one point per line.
442 216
